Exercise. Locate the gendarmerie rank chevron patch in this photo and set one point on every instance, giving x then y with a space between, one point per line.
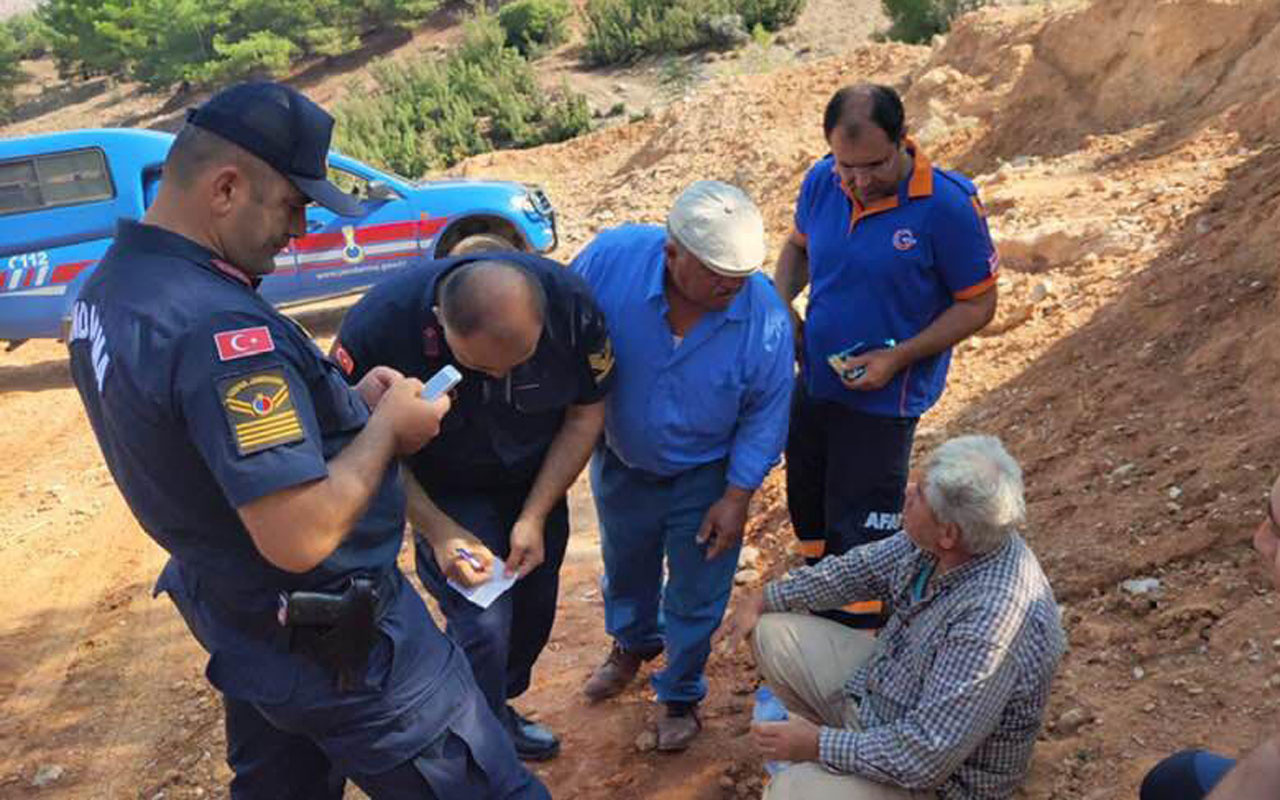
260 411
602 361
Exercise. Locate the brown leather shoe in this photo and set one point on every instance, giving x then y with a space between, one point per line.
618 670
678 727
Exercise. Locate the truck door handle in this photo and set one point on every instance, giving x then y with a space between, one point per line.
314 225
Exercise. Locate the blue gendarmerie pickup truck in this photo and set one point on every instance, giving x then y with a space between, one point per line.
62 193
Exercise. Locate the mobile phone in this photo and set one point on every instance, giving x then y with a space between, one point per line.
836 360
441 383
849 375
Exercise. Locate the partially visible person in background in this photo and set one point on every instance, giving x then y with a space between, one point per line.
1196 774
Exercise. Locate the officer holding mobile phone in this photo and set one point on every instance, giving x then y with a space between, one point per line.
900 267
271 483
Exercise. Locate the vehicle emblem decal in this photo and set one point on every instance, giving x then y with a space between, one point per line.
352 253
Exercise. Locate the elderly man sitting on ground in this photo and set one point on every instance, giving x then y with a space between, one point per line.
946 703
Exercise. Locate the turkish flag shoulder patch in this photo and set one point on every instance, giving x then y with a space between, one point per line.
243 342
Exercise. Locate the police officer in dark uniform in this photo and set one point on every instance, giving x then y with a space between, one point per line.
535 352
272 484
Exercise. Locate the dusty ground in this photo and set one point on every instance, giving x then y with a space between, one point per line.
1124 150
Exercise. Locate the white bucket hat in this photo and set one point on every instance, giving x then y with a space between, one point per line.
720 225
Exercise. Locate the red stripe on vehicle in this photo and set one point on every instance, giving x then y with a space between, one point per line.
369 234
319 241
65 273
428 226
386 233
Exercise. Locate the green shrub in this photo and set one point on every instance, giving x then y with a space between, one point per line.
261 54
620 31
773 15
10 73
398 13
427 115
534 26
29 34
161 42
918 21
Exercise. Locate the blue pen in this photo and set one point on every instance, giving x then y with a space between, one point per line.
470 558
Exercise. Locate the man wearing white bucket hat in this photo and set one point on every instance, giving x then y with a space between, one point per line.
698 416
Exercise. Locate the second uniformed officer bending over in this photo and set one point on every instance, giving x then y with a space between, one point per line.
271 483
535 353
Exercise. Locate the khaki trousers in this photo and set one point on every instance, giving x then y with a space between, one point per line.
806 660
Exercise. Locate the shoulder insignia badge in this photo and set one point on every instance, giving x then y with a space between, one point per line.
601 361
260 411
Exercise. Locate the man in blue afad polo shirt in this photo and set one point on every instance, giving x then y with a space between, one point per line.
271 483
900 267
697 417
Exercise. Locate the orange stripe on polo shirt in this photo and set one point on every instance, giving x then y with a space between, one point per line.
812 548
859 211
920 185
864 607
977 289
922 173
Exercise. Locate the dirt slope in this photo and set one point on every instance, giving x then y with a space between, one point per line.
1124 151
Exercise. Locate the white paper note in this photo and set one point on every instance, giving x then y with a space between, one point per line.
484 594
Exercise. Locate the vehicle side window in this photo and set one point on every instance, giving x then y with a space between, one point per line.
56 179
357 186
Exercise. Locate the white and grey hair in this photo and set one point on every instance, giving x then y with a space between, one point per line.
973 482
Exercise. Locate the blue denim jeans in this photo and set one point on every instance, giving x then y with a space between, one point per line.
643 519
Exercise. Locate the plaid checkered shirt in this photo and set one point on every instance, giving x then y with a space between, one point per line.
954 694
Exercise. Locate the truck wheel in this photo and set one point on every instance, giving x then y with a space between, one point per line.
481 243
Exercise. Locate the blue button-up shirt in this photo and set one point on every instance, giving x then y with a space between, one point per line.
723 391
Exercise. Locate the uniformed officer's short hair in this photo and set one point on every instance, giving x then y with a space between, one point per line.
886 114
464 302
195 149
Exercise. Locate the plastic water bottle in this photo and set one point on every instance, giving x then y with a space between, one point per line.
769 708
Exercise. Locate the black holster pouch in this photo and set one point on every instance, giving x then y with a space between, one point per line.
337 630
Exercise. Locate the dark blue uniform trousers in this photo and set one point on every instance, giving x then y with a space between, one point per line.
503 641
470 760
416 729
